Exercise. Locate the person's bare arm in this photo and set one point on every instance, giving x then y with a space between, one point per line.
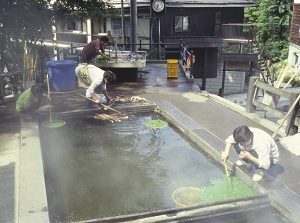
225 153
102 49
106 96
100 52
247 155
95 98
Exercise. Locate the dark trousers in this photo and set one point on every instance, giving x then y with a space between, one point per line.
253 153
32 108
86 57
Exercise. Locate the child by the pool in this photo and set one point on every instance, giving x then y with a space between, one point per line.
255 148
29 101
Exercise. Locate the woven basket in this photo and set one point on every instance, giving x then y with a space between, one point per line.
187 196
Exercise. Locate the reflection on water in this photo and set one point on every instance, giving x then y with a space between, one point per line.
95 169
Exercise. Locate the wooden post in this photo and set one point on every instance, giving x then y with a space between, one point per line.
48 85
2 92
192 64
291 121
88 30
204 70
180 50
287 115
221 92
250 108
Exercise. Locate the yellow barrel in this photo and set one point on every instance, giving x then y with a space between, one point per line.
172 66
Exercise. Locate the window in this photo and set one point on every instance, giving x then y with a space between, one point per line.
218 18
116 26
73 25
217 30
182 23
69 25
296 60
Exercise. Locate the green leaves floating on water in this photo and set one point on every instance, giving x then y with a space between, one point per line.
219 190
156 124
53 124
224 189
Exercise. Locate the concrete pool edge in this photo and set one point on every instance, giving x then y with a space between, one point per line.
197 212
32 198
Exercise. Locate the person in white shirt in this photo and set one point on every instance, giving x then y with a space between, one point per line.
255 147
91 77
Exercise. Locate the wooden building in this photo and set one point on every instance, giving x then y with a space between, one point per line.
199 25
203 25
294 48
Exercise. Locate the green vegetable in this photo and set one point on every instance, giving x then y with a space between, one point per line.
101 58
156 124
53 124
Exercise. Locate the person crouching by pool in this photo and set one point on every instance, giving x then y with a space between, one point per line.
255 147
91 77
29 101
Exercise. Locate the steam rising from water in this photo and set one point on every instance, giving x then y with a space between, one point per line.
95 169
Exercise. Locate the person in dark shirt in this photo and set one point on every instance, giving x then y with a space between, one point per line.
94 48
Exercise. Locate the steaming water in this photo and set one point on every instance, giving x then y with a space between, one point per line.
96 169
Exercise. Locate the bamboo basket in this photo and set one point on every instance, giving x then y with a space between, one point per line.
186 196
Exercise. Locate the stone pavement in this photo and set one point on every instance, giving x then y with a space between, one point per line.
206 119
10 126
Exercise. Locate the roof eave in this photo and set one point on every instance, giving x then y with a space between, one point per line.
180 5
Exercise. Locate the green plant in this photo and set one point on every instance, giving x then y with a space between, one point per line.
225 48
272 19
276 69
152 54
101 58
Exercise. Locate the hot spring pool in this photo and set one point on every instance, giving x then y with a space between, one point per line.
96 169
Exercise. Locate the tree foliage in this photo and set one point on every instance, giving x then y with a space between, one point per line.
80 9
21 23
24 22
272 18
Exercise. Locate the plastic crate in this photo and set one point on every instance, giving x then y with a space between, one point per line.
172 68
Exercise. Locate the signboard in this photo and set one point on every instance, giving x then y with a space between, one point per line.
238 65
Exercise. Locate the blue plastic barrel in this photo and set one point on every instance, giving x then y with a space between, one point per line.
62 74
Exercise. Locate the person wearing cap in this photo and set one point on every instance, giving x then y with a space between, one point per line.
29 101
255 147
94 48
92 77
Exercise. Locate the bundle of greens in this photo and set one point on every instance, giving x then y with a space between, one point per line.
101 58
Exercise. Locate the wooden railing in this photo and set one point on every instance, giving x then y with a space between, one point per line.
238 31
15 83
242 34
269 100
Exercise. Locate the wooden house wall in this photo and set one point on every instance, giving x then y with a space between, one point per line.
203 23
202 20
294 35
